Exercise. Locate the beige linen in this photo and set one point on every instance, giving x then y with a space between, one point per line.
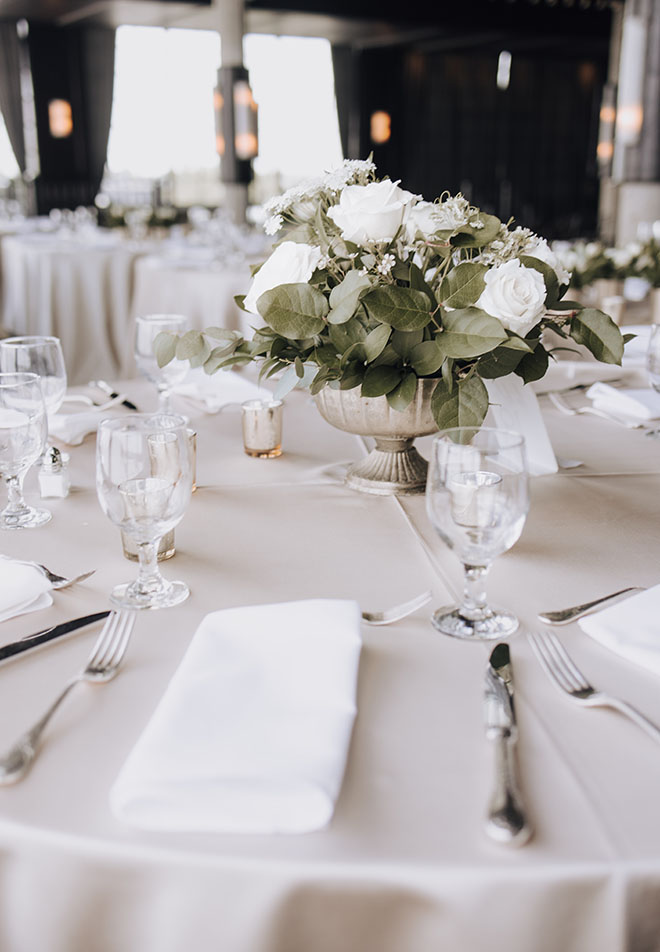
404 865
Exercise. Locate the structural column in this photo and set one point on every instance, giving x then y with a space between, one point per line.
231 26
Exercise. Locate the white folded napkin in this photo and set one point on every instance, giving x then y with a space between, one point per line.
252 733
215 391
23 589
72 428
562 374
641 404
630 628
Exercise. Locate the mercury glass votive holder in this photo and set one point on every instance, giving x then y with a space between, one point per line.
262 428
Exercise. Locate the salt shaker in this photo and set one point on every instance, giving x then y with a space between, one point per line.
54 479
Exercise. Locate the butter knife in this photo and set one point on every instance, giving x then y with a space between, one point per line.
506 821
48 634
113 394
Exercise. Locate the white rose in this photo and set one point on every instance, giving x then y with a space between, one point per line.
541 249
423 220
515 295
291 263
369 213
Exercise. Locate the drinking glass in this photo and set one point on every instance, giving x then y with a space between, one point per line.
37 355
23 430
477 498
653 358
143 481
165 378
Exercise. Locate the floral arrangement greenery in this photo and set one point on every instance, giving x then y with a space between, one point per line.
370 286
647 263
590 261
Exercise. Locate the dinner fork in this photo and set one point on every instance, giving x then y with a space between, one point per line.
61 581
562 671
387 616
567 410
102 665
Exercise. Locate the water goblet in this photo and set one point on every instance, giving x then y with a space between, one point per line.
23 429
144 481
147 328
477 498
37 355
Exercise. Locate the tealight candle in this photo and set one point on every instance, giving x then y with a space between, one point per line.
262 428
474 498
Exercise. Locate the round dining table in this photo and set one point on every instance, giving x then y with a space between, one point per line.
405 864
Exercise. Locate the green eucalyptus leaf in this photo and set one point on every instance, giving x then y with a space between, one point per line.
376 341
300 368
404 341
426 358
463 285
343 335
465 405
404 308
514 342
345 297
286 383
549 278
418 282
470 332
533 366
295 311
165 347
499 362
469 236
380 380
238 300
221 333
404 393
189 345
598 332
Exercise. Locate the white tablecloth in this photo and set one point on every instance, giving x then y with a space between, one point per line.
404 865
78 289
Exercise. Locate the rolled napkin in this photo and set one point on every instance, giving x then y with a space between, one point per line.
252 733
630 628
215 391
23 589
642 404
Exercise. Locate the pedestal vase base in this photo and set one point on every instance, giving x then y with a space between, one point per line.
394 467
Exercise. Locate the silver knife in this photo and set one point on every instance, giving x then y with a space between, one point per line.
506 821
48 634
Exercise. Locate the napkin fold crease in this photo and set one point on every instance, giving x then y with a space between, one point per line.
630 628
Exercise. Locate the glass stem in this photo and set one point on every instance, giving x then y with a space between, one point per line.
15 502
474 605
149 578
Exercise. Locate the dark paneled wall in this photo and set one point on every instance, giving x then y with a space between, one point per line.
528 151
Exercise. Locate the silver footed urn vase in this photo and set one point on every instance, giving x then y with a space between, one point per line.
393 467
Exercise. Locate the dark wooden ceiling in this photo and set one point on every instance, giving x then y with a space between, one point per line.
348 21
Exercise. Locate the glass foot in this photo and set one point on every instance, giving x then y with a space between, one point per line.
27 518
129 595
491 624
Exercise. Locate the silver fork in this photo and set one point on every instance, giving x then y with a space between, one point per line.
562 671
102 665
389 615
564 408
60 581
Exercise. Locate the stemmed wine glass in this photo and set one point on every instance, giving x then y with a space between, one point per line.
42 356
144 481
147 328
23 429
477 498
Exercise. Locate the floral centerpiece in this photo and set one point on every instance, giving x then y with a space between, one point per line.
370 286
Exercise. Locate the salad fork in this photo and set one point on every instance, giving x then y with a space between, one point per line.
102 665
60 581
567 410
562 671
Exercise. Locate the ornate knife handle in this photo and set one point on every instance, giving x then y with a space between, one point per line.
506 821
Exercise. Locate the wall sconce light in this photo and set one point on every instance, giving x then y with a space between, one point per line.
503 70
236 124
380 127
605 147
60 118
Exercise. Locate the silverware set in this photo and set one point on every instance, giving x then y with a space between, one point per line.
102 665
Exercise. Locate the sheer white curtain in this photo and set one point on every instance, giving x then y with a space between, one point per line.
162 117
8 166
